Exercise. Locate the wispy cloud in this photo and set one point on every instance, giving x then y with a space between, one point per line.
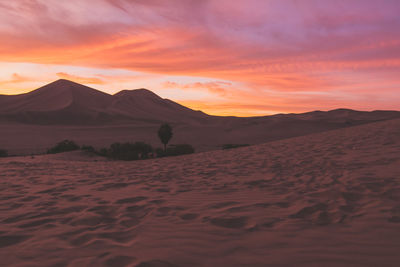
16 78
79 79
217 87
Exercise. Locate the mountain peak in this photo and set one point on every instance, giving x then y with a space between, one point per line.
75 90
142 92
64 85
64 82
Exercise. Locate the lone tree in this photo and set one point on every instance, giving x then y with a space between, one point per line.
165 134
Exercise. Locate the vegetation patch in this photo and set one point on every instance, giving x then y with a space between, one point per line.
63 146
180 149
3 153
88 148
230 146
128 151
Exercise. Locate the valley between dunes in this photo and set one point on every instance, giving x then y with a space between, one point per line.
325 199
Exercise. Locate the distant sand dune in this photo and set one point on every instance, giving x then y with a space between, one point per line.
328 199
33 122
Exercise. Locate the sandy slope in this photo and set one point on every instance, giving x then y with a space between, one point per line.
328 199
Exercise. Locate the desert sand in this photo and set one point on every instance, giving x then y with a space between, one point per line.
326 199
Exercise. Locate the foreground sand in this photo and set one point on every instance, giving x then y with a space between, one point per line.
330 199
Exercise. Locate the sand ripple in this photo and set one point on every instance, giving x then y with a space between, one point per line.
324 199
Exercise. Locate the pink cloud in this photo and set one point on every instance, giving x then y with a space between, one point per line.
274 47
218 87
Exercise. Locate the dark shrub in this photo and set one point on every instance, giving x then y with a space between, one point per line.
181 149
3 153
103 152
88 148
230 146
143 148
129 151
160 152
63 146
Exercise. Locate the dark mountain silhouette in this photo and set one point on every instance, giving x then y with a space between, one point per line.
142 104
60 102
66 110
66 102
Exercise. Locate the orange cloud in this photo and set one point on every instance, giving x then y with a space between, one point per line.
79 79
274 49
201 56
16 78
218 88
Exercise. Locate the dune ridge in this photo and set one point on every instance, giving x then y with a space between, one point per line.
33 122
326 199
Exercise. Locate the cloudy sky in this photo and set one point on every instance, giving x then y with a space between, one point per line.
242 57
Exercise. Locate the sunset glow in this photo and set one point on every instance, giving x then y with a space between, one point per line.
250 57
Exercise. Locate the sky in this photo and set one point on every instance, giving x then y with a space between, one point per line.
242 57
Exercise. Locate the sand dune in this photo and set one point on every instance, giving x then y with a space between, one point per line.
143 104
33 122
327 199
61 102
67 103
